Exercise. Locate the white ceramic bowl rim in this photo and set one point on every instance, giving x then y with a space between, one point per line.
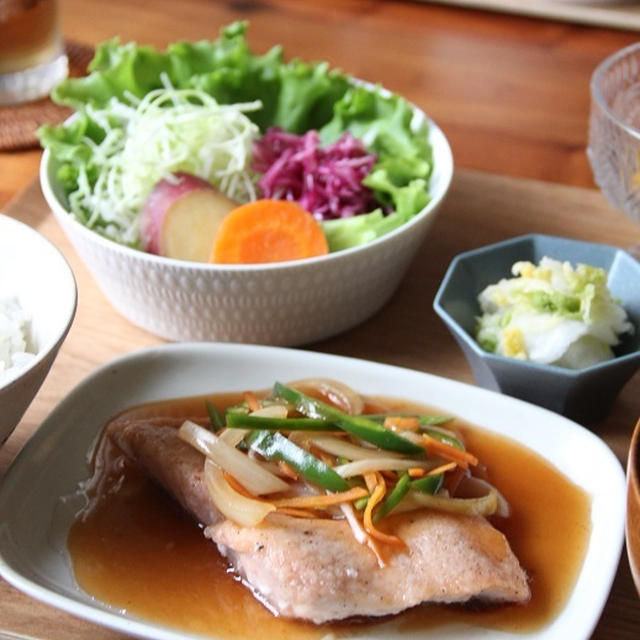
596 91
492 357
70 285
440 179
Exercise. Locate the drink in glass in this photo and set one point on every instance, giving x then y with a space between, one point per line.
32 59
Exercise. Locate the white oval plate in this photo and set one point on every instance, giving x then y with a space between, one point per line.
34 522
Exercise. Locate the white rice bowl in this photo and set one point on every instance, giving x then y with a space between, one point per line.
37 304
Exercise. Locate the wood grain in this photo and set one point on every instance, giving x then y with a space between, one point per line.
481 209
511 93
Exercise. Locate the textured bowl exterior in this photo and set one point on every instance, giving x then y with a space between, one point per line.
583 395
285 304
46 289
276 305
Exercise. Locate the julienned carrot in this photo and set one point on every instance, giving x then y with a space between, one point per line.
370 480
319 453
319 501
237 486
252 402
401 423
297 513
287 470
449 452
443 468
367 520
268 231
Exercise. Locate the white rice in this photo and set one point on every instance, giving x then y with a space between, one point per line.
15 350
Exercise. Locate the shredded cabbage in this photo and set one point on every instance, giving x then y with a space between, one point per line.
552 314
169 130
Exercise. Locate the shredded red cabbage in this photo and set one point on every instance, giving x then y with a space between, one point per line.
327 181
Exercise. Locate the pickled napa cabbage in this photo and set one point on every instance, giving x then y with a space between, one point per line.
552 313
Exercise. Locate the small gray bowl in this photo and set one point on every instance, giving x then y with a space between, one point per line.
584 395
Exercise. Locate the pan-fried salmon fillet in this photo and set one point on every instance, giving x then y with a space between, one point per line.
315 569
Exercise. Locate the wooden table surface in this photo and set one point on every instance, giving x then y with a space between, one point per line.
510 93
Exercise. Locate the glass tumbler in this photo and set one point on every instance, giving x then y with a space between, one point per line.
614 129
32 58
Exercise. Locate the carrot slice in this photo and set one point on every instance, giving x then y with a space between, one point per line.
268 231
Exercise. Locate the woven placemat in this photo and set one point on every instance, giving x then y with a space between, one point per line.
18 123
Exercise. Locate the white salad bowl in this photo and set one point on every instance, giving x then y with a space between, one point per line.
287 303
36 274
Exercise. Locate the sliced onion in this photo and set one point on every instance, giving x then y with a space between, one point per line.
271 411
338 393
359 467
411 436
358 532
244 511
483 506
361 535
249 473
345 449
232 437
471 487
416 438
445 432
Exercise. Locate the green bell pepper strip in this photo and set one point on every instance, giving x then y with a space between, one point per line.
360 426
242 421
428 484
394 498
274 446
215 416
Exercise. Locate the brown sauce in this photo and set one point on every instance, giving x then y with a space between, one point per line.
139 552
